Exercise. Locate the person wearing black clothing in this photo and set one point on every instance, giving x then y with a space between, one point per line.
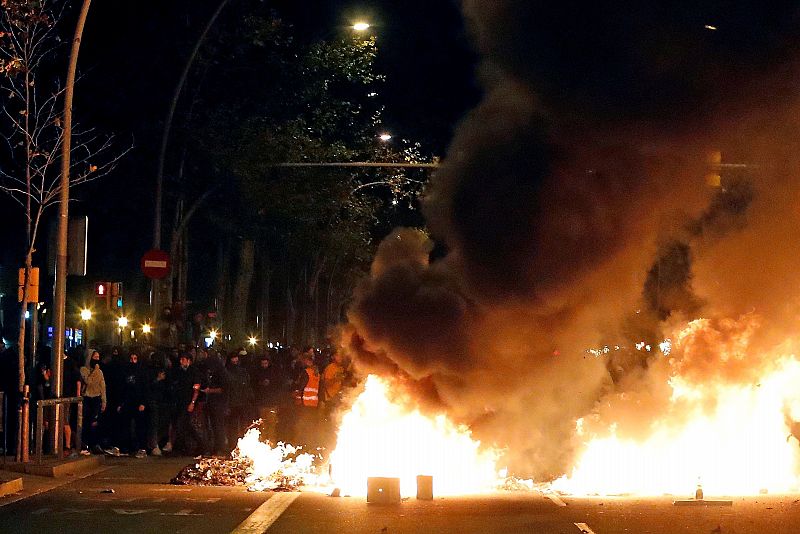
72 387
186 391
216 394
132 408
41 391
240 399
267 388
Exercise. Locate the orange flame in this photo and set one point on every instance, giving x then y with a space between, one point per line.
740 447
381 438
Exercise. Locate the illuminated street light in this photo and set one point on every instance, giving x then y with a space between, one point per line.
252 340
361 26
122 322
213 334
146 328
385 137
86 314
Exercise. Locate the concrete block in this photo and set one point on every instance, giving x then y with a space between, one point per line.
382 490
424 488
10 486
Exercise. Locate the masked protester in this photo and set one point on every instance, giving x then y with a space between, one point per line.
240 399
186 383
132 408
94 402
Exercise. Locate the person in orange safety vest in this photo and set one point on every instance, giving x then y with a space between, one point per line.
307 399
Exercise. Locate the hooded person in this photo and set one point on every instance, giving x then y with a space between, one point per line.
132 408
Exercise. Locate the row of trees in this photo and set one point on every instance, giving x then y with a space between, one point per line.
287 244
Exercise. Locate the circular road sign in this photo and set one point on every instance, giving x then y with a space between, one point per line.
155 264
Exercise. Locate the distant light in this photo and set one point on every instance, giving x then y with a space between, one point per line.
86 314
710 27
146 328
213 335
385 137
122 322
27 314
361 26
252 340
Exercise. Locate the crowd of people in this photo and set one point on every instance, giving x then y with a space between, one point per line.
193 400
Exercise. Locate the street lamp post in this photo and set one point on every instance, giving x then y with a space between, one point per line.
122 322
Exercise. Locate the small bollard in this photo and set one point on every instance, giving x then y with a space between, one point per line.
424 488
382 490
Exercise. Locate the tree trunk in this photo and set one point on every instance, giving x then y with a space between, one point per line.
264 308
241 290
291 313
223 270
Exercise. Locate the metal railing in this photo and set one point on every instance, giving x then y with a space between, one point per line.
40 405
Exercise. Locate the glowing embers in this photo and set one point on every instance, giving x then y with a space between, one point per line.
382 438
731 439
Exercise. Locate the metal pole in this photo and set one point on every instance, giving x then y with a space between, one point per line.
26 425
79 427
60 300
39 430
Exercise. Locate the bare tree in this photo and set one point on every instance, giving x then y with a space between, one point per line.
34 134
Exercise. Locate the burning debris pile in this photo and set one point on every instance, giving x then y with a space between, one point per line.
255 464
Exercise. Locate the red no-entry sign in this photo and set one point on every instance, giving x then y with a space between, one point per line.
155 264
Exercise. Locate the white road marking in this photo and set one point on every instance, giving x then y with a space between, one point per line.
584 528
266 514
135 511
187 513
556 500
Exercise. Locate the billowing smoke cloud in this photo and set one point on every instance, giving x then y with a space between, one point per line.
575 211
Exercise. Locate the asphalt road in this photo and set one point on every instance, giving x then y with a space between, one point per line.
143 502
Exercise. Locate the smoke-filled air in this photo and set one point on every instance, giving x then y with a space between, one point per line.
611 251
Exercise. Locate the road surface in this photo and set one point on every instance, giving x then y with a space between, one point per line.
142 502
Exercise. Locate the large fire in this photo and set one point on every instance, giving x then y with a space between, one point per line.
729 437
727 425
382 438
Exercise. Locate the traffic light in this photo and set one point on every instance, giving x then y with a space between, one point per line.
101 289
119 302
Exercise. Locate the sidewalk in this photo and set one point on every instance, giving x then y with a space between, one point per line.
45 477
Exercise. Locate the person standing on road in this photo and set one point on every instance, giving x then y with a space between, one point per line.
307 400
94 402
72 388
267 388
132 408
186 391
240 399
216 393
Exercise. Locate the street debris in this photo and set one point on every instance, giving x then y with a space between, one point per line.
108 490
233 472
